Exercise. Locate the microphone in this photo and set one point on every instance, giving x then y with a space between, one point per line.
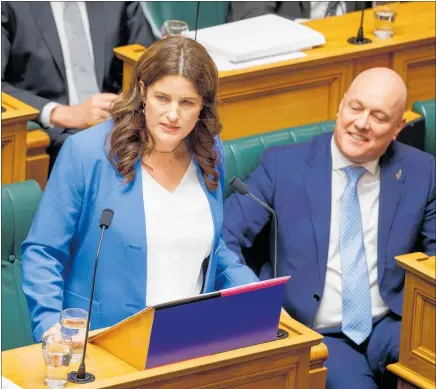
360 39
196 20
81 376
240 187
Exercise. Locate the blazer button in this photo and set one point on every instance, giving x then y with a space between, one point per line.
316 297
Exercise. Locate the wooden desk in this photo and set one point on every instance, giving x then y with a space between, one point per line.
278 364
417 364
309 90
14 135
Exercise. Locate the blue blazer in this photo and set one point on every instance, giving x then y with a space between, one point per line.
295 180
59 252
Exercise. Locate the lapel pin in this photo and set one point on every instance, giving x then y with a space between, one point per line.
398 175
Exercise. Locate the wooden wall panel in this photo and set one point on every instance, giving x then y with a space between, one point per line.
7 159
281 100
417 67
383 60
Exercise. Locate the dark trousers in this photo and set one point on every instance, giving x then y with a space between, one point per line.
57 139
364 366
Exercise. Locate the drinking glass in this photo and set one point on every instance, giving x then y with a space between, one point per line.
174 27
74 322
385 13
57 350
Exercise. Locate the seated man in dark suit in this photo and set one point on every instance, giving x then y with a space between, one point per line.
347 204
293 9
58 57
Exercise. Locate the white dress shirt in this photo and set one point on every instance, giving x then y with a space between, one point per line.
179 229
57 8
318 9
368 188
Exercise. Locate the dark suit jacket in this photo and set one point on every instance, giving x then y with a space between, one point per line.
33 68
296 182
288 9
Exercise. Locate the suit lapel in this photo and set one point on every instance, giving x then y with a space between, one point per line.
392 178
44 19
97 22
318 183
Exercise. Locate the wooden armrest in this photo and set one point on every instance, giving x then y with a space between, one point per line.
37 139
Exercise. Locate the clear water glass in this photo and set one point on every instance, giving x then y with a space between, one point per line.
57 350
385 13
174 27
74 322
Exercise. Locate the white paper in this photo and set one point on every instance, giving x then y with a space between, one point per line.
259 37
223 63
8 384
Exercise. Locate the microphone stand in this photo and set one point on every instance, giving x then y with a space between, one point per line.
276 230
82 376
240 187
360 39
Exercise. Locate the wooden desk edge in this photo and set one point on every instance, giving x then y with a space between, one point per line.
410 376
415 263
19 112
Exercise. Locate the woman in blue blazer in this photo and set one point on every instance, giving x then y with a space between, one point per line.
159 164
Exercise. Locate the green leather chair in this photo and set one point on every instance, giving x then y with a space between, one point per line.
243 154
19 203
211 13
427 109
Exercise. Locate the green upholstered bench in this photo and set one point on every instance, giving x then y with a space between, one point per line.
244 154
427 109
19 203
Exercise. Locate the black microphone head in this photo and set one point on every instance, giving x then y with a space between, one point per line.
106 218
239 186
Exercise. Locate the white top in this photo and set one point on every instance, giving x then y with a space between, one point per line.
57 8
318 9
179 228
368 188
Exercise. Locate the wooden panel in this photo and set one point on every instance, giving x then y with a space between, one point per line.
417 67
14 149
14 132
380 60
280 100
417 362
7 159
37 160
423 336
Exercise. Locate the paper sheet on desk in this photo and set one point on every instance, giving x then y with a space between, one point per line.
223 63
8 384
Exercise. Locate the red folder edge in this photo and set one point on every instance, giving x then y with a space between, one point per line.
254 286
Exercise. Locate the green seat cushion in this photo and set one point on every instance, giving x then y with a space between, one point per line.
19 204
427 109
244 154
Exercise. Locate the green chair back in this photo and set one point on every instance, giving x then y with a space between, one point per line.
211 13
244 154
19 204
427 109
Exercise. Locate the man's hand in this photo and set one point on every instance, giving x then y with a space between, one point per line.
87 114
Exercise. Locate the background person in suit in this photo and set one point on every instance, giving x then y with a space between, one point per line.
58 57
347 204
293 9
159 165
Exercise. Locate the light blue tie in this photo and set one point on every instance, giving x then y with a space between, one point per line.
356 298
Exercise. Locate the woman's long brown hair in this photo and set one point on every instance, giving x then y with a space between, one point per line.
130 140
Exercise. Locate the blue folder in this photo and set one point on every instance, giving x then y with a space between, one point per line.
216 322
